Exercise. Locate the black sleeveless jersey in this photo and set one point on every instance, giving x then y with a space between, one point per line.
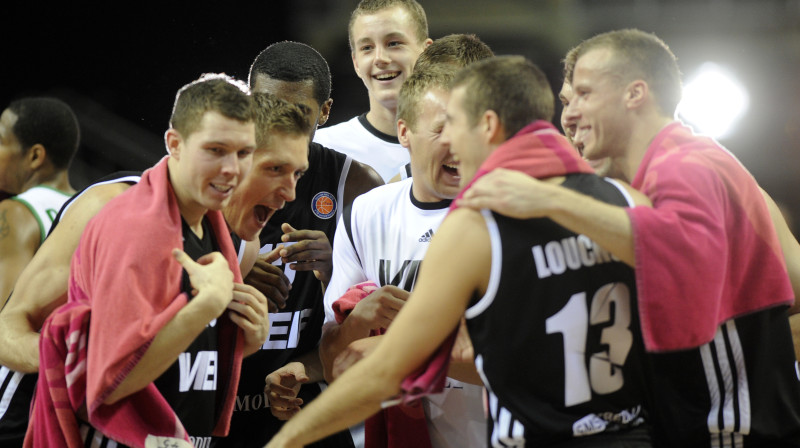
296 329
739 390
556 336
190 384
16 389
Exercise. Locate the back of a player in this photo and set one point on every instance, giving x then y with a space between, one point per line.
557 337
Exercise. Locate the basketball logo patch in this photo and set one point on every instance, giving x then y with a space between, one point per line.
323 205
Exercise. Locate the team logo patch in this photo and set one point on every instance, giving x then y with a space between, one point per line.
323 205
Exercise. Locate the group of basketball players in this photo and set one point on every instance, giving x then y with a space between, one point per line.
625 283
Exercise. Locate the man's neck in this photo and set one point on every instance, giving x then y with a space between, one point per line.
58 180
191 213
641 138
382 119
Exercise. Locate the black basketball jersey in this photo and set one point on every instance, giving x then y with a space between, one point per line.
190 384
16 389
556 336
740 390
296 329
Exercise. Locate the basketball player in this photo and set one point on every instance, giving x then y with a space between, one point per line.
38 139
301 233
458 50
176 353
384 237
386 37
707 323
281 139
536 328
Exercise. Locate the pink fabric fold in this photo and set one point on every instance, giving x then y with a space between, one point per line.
707 251
124 287
345 304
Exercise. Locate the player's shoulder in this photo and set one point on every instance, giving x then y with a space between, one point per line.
384 195
12 210
337 129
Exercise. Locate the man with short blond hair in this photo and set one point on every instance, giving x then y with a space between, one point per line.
386 37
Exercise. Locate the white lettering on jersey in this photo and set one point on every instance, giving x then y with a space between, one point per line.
199 442
285 328
555 257
404 278
202 375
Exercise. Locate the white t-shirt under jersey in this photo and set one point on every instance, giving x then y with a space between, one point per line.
390 234
361 141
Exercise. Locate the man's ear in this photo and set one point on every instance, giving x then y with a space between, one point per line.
173 140
325 112
402 134
35 156
636 93
492 128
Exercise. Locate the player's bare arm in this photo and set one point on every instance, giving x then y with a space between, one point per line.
439 299
520 196
42 285
19 239
360 179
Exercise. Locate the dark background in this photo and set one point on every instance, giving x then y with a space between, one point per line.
120 65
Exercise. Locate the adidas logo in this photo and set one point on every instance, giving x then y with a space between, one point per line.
426 237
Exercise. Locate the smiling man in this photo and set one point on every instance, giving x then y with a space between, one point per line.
712 283
553 377
159 331
386 37
382 239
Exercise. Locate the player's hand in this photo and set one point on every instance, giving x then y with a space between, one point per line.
281 388
355 351
210 277
311 251
270 280
379 309
250 312
508 192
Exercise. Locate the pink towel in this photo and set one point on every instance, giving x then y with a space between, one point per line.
707 251
130 278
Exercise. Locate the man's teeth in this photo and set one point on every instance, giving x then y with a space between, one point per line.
385 76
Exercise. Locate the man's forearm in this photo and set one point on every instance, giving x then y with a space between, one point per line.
19 342
605 224
171 341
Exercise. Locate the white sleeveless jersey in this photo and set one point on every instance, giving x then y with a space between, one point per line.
382 238
44 203
359 140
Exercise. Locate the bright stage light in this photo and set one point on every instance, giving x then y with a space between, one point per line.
713 101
